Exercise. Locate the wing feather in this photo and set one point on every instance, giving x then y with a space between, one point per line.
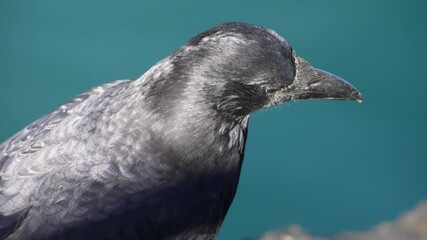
30 155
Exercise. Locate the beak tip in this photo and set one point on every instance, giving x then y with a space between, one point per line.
358 97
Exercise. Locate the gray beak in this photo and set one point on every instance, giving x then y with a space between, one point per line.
312 83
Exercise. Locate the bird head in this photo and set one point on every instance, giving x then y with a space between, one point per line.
240 68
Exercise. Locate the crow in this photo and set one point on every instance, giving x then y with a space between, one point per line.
158 157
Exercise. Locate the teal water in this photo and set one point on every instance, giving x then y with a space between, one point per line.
329 166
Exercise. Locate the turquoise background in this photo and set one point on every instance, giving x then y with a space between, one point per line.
327 165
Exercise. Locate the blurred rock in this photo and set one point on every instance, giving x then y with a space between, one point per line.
294 232
409 226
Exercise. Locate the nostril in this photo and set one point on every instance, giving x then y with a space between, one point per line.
314 82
